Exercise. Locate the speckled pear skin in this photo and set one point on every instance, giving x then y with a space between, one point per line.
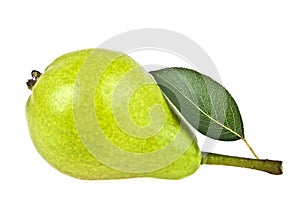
51 124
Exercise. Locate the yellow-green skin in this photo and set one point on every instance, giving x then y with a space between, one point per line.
51 124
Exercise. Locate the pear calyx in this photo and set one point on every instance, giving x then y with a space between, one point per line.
35 76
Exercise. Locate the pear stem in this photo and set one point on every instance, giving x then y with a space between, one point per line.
269 166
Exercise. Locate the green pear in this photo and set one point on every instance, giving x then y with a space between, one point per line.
96 114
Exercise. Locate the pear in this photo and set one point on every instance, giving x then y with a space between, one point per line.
96 114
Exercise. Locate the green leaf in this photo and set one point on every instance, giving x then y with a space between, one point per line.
203 102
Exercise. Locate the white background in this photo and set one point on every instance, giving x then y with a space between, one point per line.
254 44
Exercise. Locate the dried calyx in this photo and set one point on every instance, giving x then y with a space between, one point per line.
35 76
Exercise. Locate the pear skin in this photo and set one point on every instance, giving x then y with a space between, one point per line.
140 126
